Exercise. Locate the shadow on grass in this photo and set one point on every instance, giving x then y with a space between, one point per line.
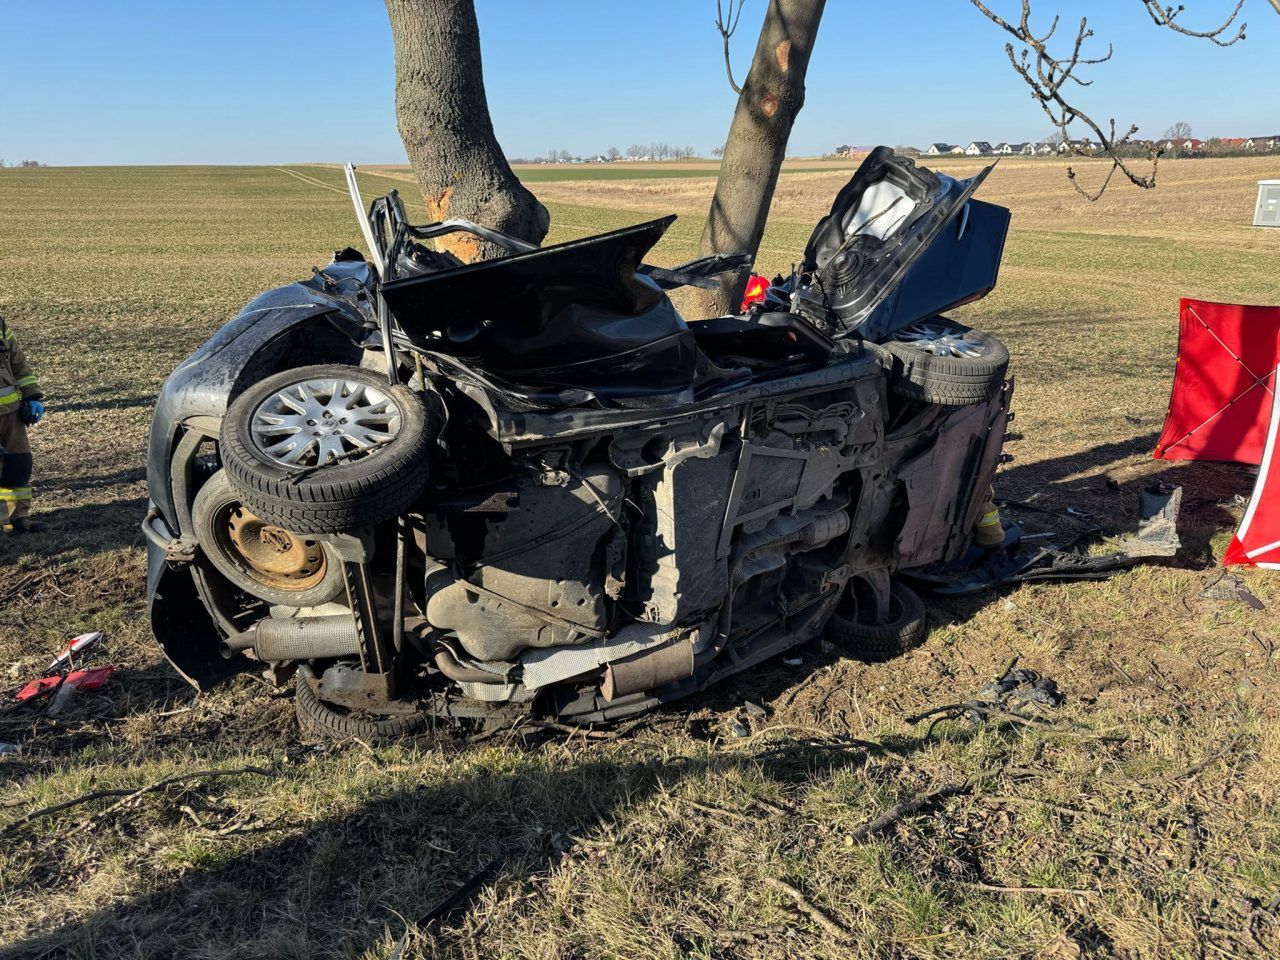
91 528
93 481
341 886
103 400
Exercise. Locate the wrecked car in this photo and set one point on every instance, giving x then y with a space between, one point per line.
426 490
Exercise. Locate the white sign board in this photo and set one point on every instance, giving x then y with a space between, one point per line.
1268 212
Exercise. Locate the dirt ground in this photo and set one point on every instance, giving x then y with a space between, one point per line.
1141 819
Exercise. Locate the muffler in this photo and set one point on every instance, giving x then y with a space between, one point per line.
303 638
649 669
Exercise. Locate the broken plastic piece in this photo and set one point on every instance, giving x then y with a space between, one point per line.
78 680
77 645
1157 535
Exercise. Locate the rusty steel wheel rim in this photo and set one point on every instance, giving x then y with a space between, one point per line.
271 554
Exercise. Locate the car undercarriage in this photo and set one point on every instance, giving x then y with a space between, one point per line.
426 490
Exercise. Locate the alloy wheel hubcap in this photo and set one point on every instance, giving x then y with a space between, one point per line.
317 422
941 341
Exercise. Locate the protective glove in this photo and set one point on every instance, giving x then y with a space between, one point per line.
31 411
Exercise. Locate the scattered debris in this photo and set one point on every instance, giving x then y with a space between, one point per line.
1024 686
793 661
75 682
1221 585
10 748
76 647
66 676
1157 536
754 710
1001 699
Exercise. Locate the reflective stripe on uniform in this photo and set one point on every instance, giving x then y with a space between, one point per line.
14 494
9 396
27 381
989 519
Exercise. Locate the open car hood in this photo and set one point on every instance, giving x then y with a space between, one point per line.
570 315
881 225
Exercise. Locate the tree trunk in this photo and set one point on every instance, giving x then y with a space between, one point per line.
772 95
444 121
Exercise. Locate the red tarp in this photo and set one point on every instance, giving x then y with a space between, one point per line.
1257 542
1223 384
1224 406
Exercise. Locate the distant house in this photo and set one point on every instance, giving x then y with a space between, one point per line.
979 148
957 151
1022 149
1045 148
1077 146
844 150
939 149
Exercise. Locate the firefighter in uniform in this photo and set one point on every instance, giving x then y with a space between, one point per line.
988 532
20 407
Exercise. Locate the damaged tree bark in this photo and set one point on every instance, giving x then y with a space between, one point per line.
444 121
771 97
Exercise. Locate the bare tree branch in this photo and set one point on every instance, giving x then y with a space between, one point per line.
1050 75
726 26
1167 17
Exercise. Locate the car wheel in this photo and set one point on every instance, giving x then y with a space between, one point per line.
326 448
940 361
853 626
259 557
318 718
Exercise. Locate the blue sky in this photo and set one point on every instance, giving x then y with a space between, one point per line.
275 81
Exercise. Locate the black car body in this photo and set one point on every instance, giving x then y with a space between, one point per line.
562 498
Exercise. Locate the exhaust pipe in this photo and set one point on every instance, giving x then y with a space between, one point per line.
304 638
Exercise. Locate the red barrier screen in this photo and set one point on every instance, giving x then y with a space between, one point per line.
1223 384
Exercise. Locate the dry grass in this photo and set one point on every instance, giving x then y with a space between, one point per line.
669 841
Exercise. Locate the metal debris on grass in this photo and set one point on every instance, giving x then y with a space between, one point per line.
1227 586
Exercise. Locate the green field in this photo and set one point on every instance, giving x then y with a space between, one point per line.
1140 820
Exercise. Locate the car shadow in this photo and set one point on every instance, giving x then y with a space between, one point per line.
346 884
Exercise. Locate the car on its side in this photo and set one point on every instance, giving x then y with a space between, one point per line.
426 490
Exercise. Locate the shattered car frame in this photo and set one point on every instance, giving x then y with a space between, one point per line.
430 489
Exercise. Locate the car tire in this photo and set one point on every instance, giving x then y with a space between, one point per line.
317 718
940 361
360 489
905 630
265 561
